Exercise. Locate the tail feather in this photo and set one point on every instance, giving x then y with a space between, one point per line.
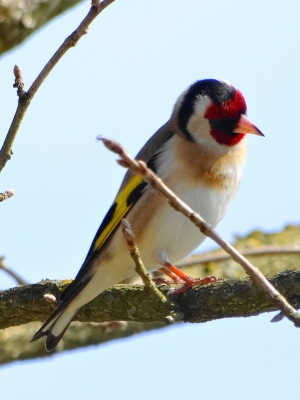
57 324
58 329
55 327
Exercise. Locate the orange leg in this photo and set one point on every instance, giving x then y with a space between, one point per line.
175 278
175 273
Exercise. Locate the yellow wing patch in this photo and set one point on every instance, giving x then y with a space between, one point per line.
122 204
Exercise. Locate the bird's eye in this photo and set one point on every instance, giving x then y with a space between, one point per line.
224 125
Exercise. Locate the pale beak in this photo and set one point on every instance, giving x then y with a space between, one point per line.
244 125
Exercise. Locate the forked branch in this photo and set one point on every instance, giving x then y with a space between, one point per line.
26 97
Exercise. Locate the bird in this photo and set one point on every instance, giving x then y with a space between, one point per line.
200 154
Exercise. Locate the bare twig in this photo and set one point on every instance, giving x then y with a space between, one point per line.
26 97
10 272
6 195
135 255
140 168
139 266
260 252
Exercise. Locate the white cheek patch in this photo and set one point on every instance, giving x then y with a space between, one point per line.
198 126
200 106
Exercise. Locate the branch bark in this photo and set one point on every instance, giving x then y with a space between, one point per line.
231 298
19 19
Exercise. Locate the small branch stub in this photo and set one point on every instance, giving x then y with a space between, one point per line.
278 317
6 195
19 81
51 299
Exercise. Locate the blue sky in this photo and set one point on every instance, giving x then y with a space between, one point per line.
121 81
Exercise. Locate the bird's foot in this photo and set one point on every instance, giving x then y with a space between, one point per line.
178 276
196 281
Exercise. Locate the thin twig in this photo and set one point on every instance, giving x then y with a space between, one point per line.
260 252
139 266
140 168
12 273
6 195
26 97
135 255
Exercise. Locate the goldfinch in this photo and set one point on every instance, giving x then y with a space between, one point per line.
199 153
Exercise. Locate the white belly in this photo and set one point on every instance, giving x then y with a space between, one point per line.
172 235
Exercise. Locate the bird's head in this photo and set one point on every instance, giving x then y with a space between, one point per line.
213 113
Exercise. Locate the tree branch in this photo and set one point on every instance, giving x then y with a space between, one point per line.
14 341
259 252
231 298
